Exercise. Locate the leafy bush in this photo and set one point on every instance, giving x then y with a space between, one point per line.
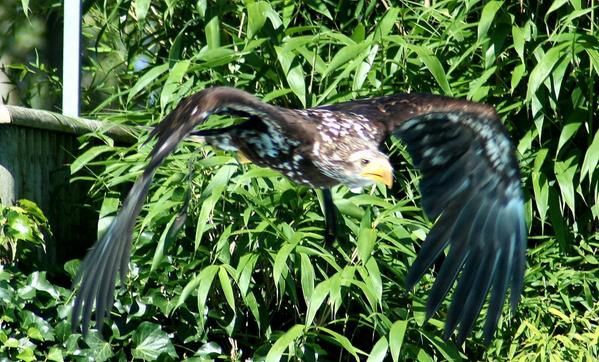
250 275
22 227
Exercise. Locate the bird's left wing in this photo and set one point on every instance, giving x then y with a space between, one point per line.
471 185
110 254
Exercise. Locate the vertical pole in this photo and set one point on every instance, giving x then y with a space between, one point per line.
71 63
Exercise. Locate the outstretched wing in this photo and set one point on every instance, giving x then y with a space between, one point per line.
110 255
470 182
471 186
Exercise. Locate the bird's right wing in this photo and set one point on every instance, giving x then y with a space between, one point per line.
110 254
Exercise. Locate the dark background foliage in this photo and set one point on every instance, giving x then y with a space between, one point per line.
250 275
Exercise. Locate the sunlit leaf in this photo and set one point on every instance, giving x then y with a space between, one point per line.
173 82
434 66
149 77
396 337
86 157
258 12
366 238
276 351
227 288
568 131
543 69
564 173
320 293
150 341
141 8
379 351
591 158
307 277
212 31
486 18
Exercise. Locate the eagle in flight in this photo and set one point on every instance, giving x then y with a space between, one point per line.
470 186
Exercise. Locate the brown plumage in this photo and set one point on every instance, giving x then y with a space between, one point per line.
470 185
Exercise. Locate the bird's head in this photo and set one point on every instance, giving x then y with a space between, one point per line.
369 166
353 162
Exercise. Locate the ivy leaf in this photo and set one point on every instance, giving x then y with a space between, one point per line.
151 341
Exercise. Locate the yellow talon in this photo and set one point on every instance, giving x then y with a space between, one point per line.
242 158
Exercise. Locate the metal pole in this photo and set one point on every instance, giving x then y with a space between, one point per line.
71 63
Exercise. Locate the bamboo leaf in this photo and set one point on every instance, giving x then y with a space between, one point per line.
386 24
293 72
517 75
346 55
320 293
307 277
519 41
212 31
227 288
141 8
280 264
379 351
567 132
486 18
434 66
554 7
375 279
149 77
591 159
173 82
366 238
565 172
283 342
447 348
86 157
343 341
245 268
396 337
258 12
543 69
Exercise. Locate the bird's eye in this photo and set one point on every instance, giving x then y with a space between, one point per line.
365 161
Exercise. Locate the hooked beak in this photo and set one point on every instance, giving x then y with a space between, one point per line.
379 171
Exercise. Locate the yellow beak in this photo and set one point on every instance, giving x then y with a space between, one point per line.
379 171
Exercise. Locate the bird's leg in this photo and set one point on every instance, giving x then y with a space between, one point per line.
330 215
242 158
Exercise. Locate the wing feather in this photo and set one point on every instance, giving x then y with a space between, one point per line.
472 156
457 256
471 185
110 255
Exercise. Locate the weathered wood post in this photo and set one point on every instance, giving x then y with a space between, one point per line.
36 148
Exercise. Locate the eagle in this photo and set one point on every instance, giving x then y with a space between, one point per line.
470 187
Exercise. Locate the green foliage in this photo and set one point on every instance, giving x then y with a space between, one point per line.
249 275
29 55
22 227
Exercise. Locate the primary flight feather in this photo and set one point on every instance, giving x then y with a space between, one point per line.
470 185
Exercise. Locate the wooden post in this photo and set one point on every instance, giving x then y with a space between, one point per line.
39 119
36 148
71 57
